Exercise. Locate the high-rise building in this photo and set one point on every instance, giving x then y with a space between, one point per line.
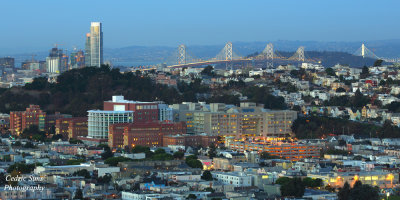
56 62
7 62
77 60
87 51
96 44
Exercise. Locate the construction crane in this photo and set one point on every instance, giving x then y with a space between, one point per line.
56 45
33 57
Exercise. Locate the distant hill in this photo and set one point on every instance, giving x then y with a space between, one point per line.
148 55
329 58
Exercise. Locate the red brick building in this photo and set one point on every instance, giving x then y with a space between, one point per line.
116 135
16 122
189 140
71 127
51 120
145 134
78 127
33 115
143 111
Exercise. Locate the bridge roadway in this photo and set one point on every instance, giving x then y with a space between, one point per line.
208 62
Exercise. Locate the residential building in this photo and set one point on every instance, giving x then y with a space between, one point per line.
33 115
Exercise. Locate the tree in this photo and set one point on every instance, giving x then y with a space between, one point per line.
212 151
207 176
83 172
294 187
364 72
3 180
282 180
159 151
192 162
75 161
340 89
107 151
313 183
33 133
191 196
75 141
113 161
78 194
208 71
21 168
378 63
179 155
358 192
344 192
330 72
104 179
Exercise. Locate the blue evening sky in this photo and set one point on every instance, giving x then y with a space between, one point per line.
38 24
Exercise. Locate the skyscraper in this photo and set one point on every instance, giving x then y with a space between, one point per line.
87 50
96 44
57 61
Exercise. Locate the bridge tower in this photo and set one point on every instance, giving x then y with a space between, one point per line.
301 53
181 54
270 55
363 50
228 51
228 55
269 51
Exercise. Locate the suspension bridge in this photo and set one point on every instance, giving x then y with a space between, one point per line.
183 58
366 53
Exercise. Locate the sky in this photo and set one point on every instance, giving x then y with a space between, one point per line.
28 25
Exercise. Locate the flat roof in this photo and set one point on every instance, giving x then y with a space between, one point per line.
109 111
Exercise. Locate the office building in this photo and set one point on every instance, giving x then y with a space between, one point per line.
7 62
72 127
96 44
99 120
56 62
87 51
143 111
146 134
78 127
77 60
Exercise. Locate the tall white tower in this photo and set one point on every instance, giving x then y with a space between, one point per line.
96 44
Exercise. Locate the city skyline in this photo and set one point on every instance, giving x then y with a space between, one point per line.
142 23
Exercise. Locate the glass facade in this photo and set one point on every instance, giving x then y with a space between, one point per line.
96 44
98 121
87 51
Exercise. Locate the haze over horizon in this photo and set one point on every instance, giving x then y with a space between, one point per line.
149 23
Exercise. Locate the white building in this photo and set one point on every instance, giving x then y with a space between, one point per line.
237 179
99 121
96 44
